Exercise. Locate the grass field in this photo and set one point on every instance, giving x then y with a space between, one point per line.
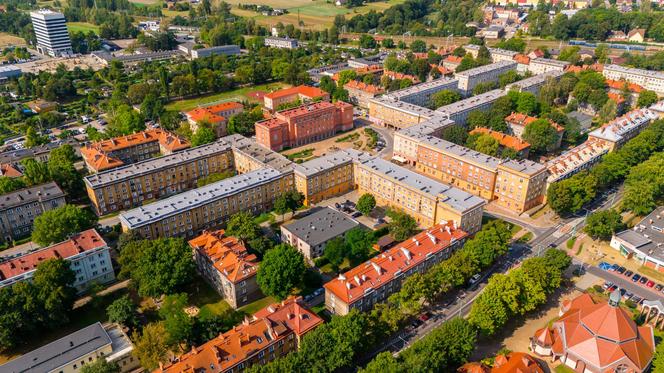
238 94
144 2
82 27
8 39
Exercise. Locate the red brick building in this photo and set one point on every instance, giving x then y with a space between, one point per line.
304 124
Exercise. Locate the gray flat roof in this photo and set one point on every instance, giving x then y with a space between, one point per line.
329 161
467 154
549 61
437 84
21 197
403 106
524 166
632 70
194 198
428 127
260 153
321 226
648 235
58 353
486 68
14 156
457 198
472 102
536 79
147 166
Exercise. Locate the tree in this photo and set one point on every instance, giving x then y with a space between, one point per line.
32 138
150 346
152 107
35 172
444 97
478 119
335 251
243 226
346 76
658 361
124 120
455 133
54 282
418 46
367 42
157 267
62 170
484 143
10 184
387 43
281 270
383 363
527 103
402 225
101 365
366 203
541 135
358 244
646 98
55 225
122 311
178 324
608 112
204 135
603 224
512 44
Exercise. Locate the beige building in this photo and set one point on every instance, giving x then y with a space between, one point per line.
470 78
520 185
542 65
397 114
19 209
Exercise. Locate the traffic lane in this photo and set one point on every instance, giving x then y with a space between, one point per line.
627 284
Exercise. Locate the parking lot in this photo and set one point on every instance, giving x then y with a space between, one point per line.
633 286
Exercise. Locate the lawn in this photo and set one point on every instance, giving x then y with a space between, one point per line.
9 40
237 94
256 306
82 27
652 274
564 369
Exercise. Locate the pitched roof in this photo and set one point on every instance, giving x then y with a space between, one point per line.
520 119
8 170
453 59
374 273
78 243
522 59
504 140
640 31
213 113
620 85
267 327
516 362
360 86
400 76
228 255
617 98
304 90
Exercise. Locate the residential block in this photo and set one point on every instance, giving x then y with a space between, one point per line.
216 115
19 209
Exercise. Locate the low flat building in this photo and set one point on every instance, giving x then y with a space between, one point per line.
277 42
191 212
310 234
648 79
577 159
544 65
360 93
267 335
225 264
119 151
488 73
376 279
216 115
39 153
304 124
9 72
645 241
19 209
620 130
194 52
87 253
72 352
303 93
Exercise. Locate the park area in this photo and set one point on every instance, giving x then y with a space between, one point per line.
240 94
82 27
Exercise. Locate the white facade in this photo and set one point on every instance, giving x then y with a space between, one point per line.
51 32
651 80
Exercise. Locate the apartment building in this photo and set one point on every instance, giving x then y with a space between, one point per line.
425 199
544 65
376 279
269 334
420 94
304 93
520 185
648 79
249 156
310 234
497 54
407 140
304 124
517 123
39 153
620 130
51 33
534 83
456 165
522 148
216 115
71 353
87 253
226 265
19 209
191 212
132 185
327 176
387 112
360 93
459 111
119 151
470 78
577 159
277 42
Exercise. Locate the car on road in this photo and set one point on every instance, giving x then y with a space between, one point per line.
643 280
628 273
604 266
473 280
636 277
621 270
623 292
650 283
415 323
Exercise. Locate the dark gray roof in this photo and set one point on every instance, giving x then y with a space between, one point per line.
647 236
321 226
14 156
21 197
58 353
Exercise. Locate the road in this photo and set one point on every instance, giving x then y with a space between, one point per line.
388 136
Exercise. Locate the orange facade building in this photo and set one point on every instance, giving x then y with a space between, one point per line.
119 151
270 334
217 115
304 124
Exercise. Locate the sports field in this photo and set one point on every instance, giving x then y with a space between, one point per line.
82 27
239 94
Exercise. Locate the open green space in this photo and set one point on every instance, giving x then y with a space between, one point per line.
256 306
563 369
82 27
238 94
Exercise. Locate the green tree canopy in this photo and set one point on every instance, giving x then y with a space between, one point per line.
101 365
243 226
55 225
646 98
366 203
122 311
541 135
444 97
151 345
402 225
179 325
281 271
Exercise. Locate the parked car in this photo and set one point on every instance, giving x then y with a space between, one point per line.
614 267
424 317
659 287
604 266
415 323
607 285
621 270
650 283
473 280
628 273
356 214
643 280
628 295
636 299
612 288
636 277
623 292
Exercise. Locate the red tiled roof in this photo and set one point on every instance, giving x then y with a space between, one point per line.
8 170
360 86
212 113
516 362
350 286
504 140
617 98
304 90
78 243
400 76
453 59
522 59
520 119
228 255
620 85
267 327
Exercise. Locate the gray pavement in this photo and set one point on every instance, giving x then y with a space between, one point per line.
626 283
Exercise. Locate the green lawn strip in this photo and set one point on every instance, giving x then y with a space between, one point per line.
240 94
82 27
256 306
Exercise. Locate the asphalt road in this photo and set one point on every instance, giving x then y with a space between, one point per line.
627 284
